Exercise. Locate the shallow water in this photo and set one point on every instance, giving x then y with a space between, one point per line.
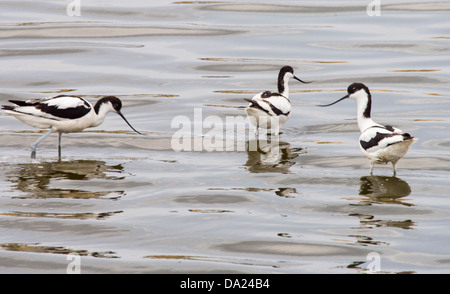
132 204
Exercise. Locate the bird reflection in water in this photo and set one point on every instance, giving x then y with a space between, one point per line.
37 179
270 156
382 190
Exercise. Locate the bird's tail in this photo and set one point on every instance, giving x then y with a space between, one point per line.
23 103
7 107
253 102
17 102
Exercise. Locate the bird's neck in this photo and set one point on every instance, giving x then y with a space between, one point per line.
364 123
283 86
100 114
364 105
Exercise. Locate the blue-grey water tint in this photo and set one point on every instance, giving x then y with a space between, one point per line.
131 204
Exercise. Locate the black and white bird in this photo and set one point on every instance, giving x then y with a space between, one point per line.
380 144
64 114
270 110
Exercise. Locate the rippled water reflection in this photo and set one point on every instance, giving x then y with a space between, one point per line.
131 204
35 179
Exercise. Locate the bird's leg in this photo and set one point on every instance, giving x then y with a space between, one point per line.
371 168
257 130
254 122
42 138
276 125
394 164
59 145
276 130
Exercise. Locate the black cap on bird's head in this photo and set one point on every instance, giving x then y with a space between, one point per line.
117 106
355 87
288 69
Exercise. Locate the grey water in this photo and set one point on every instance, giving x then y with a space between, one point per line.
126 203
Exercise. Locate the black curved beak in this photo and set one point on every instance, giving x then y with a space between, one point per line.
119 113
345 97
301 80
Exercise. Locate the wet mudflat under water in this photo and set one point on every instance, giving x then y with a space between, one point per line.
226 203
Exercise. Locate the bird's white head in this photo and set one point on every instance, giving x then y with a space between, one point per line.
285 74
358 91
110 104
361 94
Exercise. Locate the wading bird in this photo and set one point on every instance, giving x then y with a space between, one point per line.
380 144
64 114
270 110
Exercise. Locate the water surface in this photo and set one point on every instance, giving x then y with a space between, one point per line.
131 204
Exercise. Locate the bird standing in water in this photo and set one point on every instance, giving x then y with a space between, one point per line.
64 114
270 110
380 144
